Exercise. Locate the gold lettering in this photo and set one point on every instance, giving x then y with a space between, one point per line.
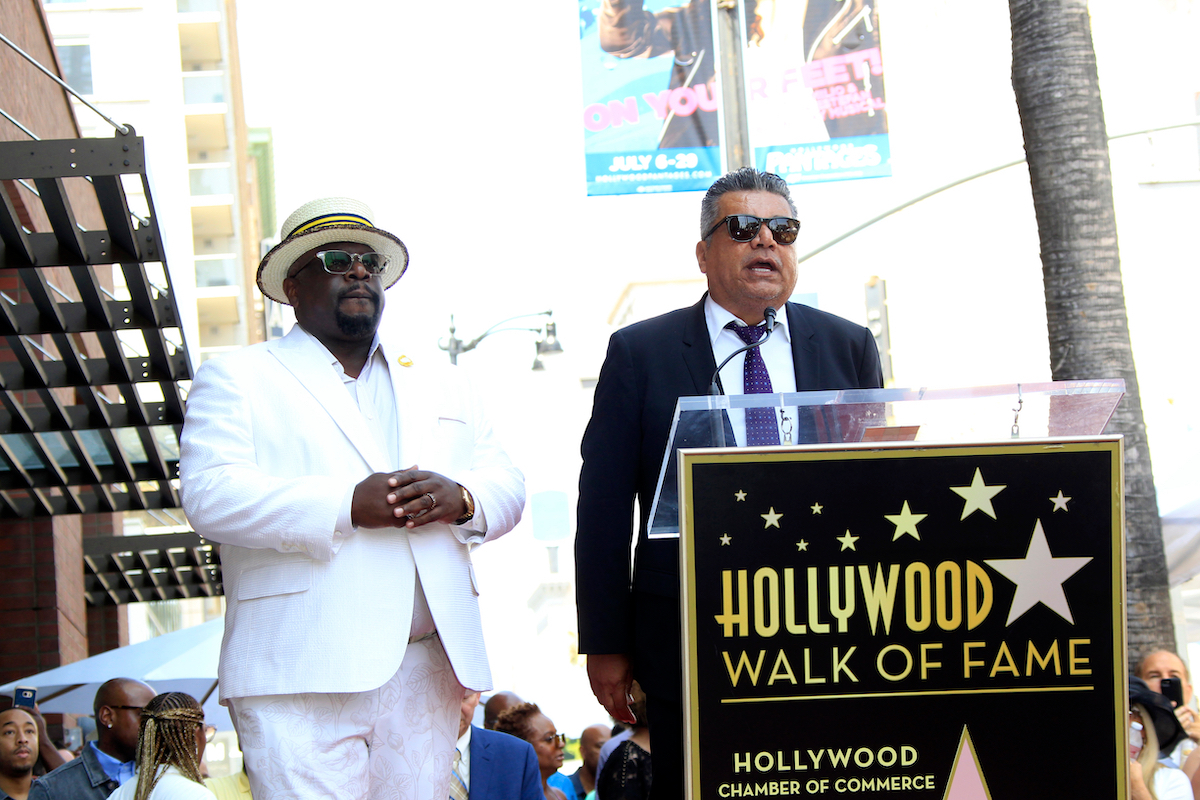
967 662
908 662
744 661
841 612
1032 655
781 670
1077 663
839 665
808 676
926 664
879 595
949 615
729 618
789 603
979 595
814 625
918 619
768 606
1004 655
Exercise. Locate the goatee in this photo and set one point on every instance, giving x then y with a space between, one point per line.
357 326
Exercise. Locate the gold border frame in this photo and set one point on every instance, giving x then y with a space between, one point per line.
688 459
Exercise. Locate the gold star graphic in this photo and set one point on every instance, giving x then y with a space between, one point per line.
772 518
816 508
978 496
848 541
802 545
740 495
1060 502
725 539
905 522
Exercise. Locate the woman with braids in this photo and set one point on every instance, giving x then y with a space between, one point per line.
170 745
526 721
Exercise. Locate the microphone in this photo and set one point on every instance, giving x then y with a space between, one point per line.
769 317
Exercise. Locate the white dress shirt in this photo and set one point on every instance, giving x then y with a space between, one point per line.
375 397
464 761
776 353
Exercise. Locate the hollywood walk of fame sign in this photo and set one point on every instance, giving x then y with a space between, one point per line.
905 620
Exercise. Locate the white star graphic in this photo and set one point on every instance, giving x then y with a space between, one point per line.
740 495
978 496
802 545
725 539
816 508
848 541
772 519
1039 577
905 522
1060 502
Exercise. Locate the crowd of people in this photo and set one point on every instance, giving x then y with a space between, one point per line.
151 747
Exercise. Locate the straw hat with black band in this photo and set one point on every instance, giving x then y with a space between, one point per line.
326 221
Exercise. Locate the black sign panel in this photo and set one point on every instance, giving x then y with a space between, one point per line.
942 622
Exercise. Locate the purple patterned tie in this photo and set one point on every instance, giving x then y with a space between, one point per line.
761 427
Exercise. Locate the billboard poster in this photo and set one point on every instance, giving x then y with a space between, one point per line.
650 103
905 620
815 89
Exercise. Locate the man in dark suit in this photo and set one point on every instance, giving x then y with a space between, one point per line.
498 766
630 627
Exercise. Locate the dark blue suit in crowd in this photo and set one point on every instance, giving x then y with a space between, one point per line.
503 767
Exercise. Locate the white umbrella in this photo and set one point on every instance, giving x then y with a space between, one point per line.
182 661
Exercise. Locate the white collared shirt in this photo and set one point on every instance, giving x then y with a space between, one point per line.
375 397
776 353
464 761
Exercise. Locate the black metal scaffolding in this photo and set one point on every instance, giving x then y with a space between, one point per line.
91 406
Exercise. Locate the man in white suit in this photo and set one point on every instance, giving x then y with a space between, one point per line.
352 621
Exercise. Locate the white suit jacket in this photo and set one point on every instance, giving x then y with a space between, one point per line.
271 444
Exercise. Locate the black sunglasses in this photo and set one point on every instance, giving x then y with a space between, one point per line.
744 227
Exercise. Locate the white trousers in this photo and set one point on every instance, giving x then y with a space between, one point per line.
394 742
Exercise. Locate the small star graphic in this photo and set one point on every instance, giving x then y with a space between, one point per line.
978 496
1060 502
802 545
726 539
816 508
740 495
772 518
1039 577
905 522
848 541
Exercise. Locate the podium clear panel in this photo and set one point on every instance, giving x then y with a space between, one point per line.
965 415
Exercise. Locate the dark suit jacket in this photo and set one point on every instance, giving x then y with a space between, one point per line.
649 366
503 767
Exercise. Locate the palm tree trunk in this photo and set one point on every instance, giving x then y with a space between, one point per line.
1066 146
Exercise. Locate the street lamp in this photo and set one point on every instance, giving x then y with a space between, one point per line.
547 345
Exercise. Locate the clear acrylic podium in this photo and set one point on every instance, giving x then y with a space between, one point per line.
965 415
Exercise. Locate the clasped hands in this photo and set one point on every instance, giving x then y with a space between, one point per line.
415 496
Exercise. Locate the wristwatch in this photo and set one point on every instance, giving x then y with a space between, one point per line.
469 502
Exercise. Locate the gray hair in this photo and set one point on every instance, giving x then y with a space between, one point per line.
746 179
